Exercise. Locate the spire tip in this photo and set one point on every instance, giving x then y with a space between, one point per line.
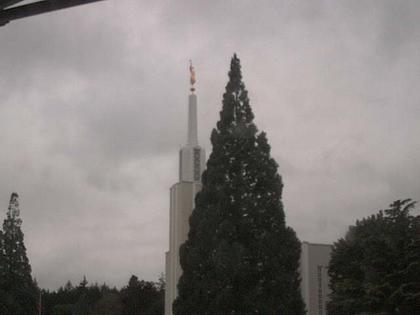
192 77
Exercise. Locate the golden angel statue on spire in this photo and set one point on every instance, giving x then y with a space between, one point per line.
192 76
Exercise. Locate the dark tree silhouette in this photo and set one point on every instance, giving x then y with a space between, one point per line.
240 257
142 297
20 294
376 267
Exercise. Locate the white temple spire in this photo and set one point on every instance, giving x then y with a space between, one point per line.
182 198
192 120
192 111
192 156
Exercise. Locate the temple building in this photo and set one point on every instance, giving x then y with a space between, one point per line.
192 160
314 261
314 257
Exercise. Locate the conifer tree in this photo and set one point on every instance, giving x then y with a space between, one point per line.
240 257
3 293
82 306
141 297
16 280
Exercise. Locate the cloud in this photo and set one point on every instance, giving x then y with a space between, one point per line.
93 111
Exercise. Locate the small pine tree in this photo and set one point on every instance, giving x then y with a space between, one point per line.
16 280
130 297
141 297
82 307
240 257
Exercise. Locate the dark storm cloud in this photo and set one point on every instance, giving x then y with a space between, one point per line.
93 111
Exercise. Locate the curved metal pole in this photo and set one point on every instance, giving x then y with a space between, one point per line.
19 12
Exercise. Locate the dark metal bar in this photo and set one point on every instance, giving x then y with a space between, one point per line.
38 8
8 3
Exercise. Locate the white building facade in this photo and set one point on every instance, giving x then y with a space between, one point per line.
314 262
182 194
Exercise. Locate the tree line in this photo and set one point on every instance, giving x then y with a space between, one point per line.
138 297
21 295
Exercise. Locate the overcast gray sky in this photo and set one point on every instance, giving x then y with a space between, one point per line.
93 110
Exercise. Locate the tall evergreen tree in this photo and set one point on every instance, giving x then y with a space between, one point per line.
240 257
3 293
16 280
